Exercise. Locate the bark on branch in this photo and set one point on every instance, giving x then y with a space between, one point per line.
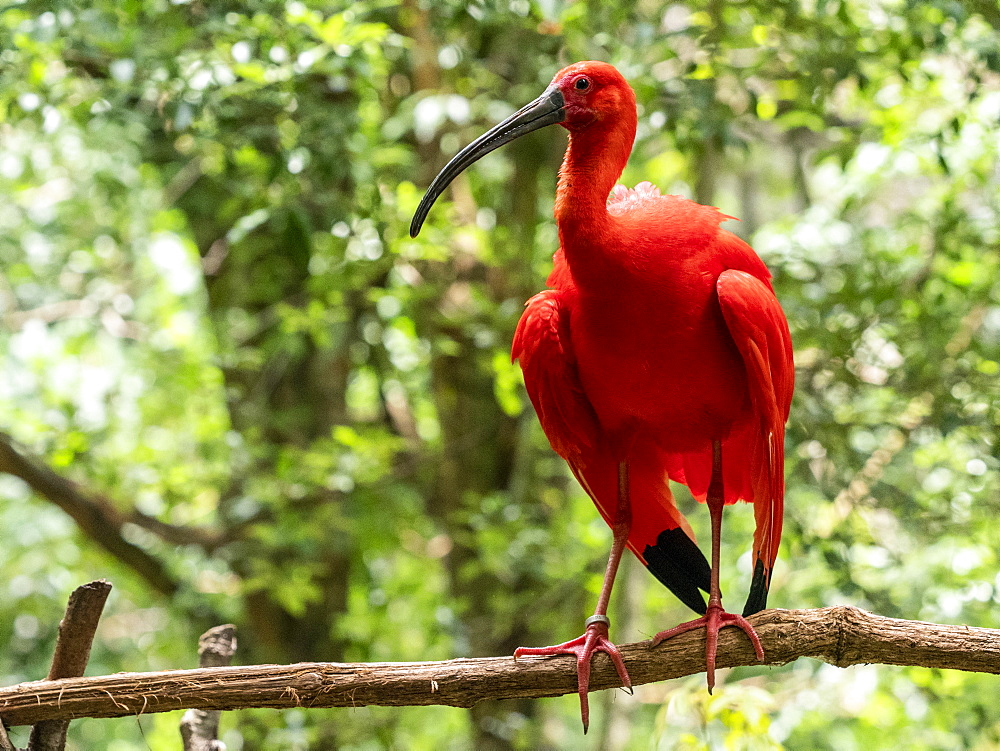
838 635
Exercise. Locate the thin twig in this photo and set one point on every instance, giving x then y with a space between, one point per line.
839 635
76 635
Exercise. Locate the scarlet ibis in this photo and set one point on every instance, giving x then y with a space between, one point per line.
658 351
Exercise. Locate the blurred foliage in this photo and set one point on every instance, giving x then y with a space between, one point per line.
211 313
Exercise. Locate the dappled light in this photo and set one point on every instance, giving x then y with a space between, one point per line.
259 401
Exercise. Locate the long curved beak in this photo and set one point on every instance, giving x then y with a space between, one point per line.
548 109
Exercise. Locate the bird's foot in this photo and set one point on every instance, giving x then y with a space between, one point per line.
715 619
594 639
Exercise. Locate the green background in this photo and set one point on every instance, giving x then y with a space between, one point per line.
211 315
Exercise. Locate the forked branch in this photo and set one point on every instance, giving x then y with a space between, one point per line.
101 519
839 635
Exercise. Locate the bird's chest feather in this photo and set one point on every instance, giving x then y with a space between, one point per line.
658 359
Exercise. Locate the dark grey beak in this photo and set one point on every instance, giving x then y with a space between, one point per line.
548 109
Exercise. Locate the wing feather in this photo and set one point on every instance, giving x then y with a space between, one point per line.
760 331
542 345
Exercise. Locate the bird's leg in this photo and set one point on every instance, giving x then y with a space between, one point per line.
595 638
715 617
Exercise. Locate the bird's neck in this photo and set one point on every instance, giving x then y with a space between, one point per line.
595 159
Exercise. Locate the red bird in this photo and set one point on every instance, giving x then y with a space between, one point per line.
659 351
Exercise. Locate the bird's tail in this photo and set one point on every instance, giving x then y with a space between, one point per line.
660 536
753 470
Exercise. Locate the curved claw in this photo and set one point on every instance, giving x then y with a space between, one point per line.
713 621
583 647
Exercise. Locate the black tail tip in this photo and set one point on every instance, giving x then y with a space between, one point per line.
680 566
757 599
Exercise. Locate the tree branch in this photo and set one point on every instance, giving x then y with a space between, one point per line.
200 727
5 744
839 635
99 518
76 635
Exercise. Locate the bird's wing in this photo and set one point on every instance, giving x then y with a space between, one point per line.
542 345
760 331
659 536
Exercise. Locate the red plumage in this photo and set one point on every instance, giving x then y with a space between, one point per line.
659 351
667 362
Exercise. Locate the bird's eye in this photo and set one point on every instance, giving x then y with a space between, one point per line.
582 84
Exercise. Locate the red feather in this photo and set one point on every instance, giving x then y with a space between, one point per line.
691 343
659 351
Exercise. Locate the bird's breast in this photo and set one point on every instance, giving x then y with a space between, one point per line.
660 362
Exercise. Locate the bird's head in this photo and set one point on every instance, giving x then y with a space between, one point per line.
592 93
580 96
